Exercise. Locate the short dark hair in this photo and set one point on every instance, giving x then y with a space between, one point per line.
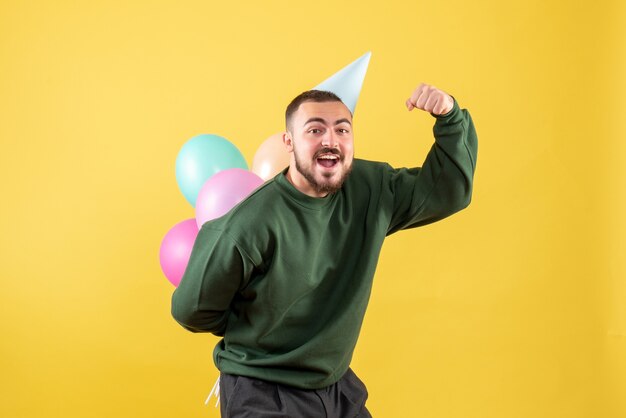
317 96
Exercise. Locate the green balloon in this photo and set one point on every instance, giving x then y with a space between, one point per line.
200 158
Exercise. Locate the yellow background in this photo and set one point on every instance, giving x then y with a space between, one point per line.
513 308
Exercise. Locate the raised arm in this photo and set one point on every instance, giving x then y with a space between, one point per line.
444 183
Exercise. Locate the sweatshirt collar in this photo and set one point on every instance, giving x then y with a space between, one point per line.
301 198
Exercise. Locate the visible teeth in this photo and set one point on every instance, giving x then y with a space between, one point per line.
328 157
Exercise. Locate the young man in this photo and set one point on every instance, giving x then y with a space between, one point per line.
285 277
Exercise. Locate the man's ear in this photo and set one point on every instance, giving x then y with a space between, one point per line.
288 141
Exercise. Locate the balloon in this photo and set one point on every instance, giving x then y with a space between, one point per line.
271 157
176 249
223 191
200 158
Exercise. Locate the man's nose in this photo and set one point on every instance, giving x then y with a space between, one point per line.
329 139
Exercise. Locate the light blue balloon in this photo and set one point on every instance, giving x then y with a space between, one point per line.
200 158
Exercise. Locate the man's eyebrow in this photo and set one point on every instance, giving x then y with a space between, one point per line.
314 120
321 120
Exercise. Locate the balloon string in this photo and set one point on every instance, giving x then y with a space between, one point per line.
215 391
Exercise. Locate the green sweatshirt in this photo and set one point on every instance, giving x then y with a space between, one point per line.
285 278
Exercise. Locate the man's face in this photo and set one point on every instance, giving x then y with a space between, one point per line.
320 137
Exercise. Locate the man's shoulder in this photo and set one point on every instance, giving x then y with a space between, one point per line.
367 179
252 223
367 170
369 165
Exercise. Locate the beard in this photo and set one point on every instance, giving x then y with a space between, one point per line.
327 185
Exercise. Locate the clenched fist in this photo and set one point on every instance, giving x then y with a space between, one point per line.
430 99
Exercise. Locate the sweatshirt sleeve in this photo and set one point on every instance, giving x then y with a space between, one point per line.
216 271
443 185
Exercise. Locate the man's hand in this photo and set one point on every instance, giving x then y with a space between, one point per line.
430 99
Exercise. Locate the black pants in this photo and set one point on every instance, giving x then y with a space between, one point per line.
244 397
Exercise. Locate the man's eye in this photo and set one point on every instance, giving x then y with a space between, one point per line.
314 131
343 131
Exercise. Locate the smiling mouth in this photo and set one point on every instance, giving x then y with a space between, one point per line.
328 160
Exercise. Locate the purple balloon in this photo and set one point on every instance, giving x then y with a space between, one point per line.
222 191
176 248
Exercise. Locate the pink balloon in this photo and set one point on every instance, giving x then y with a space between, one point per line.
176 248
222 191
